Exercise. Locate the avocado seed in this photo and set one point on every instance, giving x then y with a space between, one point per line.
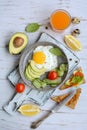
18 42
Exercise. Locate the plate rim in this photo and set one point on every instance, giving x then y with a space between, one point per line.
24 55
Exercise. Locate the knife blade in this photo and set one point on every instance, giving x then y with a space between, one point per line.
54 109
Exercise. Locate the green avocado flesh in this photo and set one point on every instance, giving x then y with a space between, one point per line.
45 82
76 79
17 43
31 72
34 75
40 71
39 83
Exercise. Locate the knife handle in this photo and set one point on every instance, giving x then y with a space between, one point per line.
36 124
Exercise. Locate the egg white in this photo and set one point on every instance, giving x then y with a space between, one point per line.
51 61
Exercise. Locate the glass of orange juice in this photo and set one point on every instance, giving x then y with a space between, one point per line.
60 20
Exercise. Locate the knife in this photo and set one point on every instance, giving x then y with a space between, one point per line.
54 109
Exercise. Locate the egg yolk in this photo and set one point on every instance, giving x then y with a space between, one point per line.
39 57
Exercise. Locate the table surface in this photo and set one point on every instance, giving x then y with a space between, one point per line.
14 16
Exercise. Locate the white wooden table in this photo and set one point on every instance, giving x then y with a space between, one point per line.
14 16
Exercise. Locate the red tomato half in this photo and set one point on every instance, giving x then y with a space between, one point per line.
20 87
52 75
79 74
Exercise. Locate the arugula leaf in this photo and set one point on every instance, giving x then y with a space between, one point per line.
77 79
56 51
32 27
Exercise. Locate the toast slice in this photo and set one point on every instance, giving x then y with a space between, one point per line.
72 102
69 83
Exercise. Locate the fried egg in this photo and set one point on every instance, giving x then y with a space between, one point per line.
43 58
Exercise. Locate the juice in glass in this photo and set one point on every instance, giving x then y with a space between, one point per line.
60 20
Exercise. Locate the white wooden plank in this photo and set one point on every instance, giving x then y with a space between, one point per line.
14 16
60 120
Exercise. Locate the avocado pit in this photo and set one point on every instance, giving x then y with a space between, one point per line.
18 42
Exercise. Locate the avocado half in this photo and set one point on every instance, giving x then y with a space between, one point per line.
17 43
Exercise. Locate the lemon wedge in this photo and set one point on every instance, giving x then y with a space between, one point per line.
72 43
29 110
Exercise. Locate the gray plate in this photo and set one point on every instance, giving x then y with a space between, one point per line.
27 55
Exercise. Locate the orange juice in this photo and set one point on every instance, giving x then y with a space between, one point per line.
60 20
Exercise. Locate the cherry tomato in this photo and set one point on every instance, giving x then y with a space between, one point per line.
79 74
20 87
52 75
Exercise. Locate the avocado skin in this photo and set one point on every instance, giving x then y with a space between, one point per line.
14 50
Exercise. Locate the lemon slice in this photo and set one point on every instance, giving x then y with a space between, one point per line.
73 43
29 110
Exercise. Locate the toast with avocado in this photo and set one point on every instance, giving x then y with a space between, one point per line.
76 79
72 102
